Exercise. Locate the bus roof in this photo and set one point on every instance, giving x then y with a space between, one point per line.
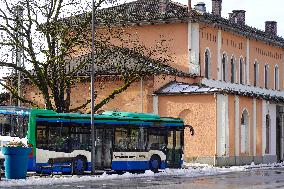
112 117
15 110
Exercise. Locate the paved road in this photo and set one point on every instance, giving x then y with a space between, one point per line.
254 179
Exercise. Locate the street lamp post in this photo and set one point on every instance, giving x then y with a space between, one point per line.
93 128
18 14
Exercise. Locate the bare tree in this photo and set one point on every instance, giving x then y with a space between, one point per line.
53 36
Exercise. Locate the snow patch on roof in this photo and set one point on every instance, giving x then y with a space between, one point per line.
180 88
245 89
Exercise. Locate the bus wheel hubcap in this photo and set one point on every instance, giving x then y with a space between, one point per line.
154 164
79 164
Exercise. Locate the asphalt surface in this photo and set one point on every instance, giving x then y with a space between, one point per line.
253 179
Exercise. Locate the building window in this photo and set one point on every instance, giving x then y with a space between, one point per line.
266 76
233 70
245 132
207 64
224 68
241 71
267 147
276 78
255 75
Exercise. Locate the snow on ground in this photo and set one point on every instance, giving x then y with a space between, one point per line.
189 170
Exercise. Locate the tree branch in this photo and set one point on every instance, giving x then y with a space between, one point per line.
80 107
116 92
14 94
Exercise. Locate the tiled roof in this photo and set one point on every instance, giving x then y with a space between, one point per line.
119 62
144 10
167 11
242 29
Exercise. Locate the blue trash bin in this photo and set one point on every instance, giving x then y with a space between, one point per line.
16 162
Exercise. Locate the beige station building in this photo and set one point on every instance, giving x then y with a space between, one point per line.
233 94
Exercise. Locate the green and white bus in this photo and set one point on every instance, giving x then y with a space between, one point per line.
126 141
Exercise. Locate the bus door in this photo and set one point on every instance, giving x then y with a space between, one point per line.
103 153
174 148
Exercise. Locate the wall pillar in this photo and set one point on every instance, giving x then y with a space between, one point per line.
254 132
248 63
193 48
156 104
237 127
219 56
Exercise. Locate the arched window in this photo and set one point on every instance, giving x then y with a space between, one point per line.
207 64
245 132
241 71
276 78
266 76
256 73
224 67
233 70
267 124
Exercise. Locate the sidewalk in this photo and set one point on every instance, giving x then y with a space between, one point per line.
189 170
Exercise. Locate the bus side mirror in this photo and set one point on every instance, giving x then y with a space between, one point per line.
191 130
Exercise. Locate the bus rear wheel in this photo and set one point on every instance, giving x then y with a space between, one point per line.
79 165
155 162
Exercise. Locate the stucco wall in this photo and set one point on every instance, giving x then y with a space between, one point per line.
164 41
238 46
129 100
174 37
198 111
266 54
208 40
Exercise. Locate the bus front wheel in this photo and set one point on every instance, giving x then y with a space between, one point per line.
155 162
79 165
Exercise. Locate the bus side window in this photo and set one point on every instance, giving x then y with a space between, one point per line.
121 139
132 139
178 140
156 139
80 137
170 140
142 139
41 136
133 142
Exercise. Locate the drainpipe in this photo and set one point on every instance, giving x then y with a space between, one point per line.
282 137
141 94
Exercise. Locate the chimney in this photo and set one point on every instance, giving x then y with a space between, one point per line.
271 27
189 5
217 7
163 6
200 7
232 18
238 16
